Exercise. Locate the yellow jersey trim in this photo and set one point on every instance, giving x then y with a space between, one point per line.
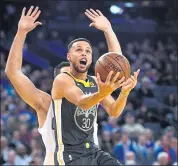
85 83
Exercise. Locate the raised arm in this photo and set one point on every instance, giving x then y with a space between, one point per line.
24 87
100 22
64 86
113 107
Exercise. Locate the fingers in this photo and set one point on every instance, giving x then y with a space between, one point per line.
23 12
109 77
90 13
120 82
89 16
136 73
37 15
99 12
133 78
98 78
30 10
94 13
37 23
35 11
128 82
115 77
92 24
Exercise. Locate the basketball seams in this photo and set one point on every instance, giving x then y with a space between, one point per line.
117 63
102 66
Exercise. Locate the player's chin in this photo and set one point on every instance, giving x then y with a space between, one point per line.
83 69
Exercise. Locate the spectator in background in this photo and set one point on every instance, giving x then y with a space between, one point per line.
37 160
111 125
128 108
133 129
145 89
141 150
174 145
169 131
166 77
16 138
116 136
121 149
163 158
35 148
25 136
35 135
149 144
4 147
107 144
152 75
170 100
142 114
22 156
130 158
165 146
11 159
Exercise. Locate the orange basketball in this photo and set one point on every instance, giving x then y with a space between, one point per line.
112 61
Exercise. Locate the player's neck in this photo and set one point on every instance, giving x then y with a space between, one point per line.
81 76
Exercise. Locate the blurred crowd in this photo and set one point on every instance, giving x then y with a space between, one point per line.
145 133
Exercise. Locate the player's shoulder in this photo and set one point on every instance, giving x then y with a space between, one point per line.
63 78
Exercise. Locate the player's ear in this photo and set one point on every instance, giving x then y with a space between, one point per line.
68 56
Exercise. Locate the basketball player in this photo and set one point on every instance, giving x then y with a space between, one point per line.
40 101
76 96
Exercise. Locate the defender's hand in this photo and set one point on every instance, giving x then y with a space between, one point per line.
110 85
99 21
27 22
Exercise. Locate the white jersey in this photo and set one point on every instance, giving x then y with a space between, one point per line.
48 137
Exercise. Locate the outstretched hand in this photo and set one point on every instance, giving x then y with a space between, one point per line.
111 83
131 82
99 21
28 22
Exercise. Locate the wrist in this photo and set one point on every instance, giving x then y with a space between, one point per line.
101 95
125 92
21 32
108 29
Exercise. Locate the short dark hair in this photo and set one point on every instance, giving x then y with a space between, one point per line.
58 68
76 40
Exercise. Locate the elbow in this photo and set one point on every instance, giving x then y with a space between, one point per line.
6 71
10 72
114 115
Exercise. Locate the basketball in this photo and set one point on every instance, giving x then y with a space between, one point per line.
112 61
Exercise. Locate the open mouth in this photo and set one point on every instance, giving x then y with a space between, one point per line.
83 62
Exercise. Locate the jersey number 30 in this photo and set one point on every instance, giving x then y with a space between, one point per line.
86 123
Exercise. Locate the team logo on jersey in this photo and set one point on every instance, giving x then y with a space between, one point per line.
92 84
84 119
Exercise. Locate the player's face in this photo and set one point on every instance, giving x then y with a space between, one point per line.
80 56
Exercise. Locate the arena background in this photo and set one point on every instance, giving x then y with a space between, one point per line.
147 31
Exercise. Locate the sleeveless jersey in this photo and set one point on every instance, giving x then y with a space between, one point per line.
75 126
48 136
